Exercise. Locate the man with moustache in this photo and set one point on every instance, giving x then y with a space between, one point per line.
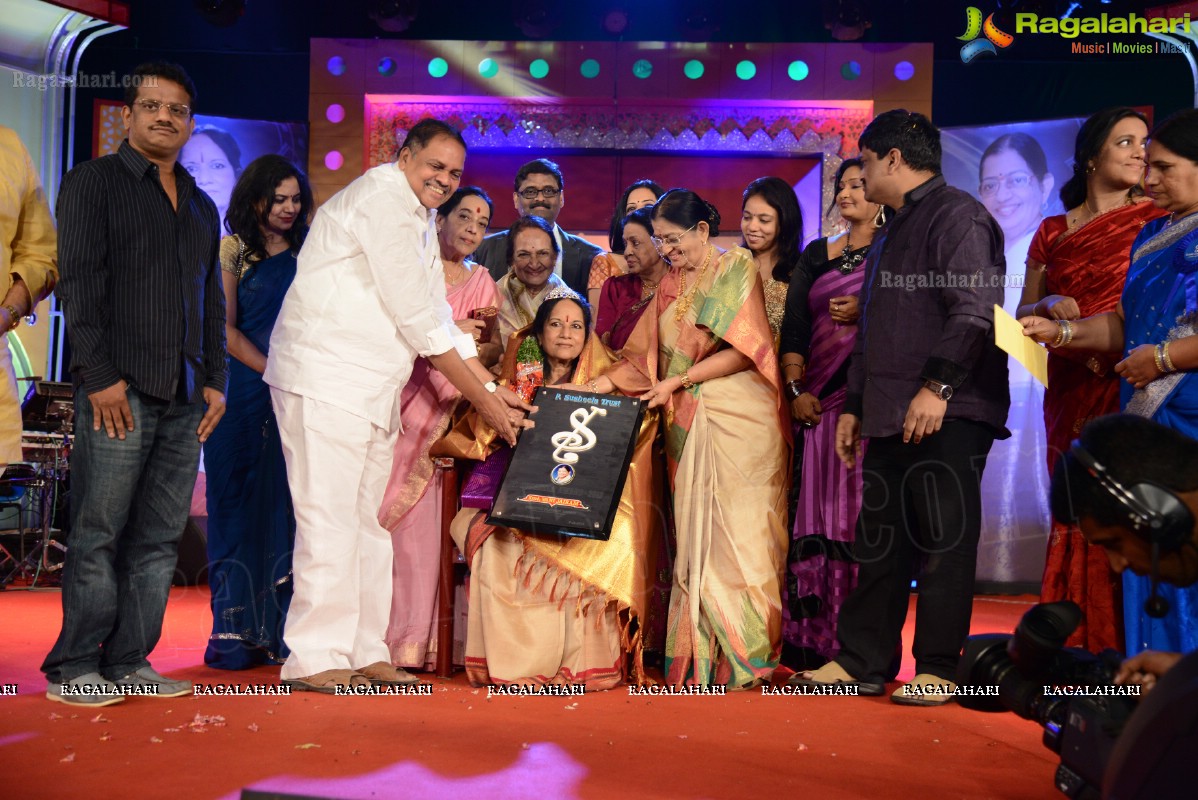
540 191
367 300
141 294
931 401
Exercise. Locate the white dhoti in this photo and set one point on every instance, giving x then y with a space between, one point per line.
337 467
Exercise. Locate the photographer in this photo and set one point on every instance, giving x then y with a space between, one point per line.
1131 485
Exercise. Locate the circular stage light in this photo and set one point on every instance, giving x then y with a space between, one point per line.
488 68
335 113
589 68
693 69
904 70
798 70
387 66
642 68
333 160
336 66
539 68
850 70
745 70
438 67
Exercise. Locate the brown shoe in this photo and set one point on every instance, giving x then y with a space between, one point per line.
925 690
328 682
380 673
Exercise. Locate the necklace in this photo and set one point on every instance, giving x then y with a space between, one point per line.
850 262
685 299
457 278
1094 212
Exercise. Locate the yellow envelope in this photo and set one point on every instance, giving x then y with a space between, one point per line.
1008 334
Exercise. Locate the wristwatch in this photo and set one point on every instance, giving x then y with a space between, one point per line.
941 390
491 386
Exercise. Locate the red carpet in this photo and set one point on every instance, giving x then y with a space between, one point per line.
458 743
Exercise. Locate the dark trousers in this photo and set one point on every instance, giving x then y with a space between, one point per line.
129 504
921 503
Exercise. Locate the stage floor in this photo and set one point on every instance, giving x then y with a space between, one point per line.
458 743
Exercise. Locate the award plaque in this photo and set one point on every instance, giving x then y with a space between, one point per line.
567 473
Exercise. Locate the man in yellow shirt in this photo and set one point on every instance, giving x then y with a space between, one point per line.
28 270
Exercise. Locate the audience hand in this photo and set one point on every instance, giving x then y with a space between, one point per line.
848 440
806 409
1139 368
470 327
1040 329
1058 306
215 410
661 392
844 310
498 411
925 415
1145 668
110 407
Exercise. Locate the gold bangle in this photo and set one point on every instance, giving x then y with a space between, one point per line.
687 383
594 387
14 317
1169 366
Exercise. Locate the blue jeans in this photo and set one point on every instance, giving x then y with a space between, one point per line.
129 504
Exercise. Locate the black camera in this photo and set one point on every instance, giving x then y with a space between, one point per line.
1068 691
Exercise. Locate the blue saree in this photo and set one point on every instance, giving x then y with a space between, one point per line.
251 526
1160 303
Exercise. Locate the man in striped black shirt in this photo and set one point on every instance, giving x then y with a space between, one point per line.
141 293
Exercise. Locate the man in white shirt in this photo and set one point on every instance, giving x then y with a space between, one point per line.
368 298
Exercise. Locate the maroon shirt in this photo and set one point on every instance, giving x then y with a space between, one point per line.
934 275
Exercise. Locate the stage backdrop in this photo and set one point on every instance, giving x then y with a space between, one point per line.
219 149
1018 182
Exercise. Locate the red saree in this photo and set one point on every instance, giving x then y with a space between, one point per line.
1088 264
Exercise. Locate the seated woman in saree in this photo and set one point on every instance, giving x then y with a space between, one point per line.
251 528
625 297
411 508
1155 329
531 255
706 353
544 610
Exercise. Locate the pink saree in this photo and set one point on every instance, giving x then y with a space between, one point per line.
411 507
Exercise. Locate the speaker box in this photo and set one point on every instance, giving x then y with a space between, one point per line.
192 567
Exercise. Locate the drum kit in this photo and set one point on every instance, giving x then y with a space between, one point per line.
35 489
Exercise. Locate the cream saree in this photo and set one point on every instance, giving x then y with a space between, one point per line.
727 444
569 611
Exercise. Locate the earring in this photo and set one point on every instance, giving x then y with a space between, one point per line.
1090 168
880 217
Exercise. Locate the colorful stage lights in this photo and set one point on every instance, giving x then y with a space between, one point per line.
336 66
333 160
904 70
488 68
693 69
387 66
798 70
642 68
438 67
335 113
539 68
850 70
589 68
746 70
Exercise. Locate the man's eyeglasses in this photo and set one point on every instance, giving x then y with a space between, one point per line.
671 241
180 110
531 193
1016 180
542 256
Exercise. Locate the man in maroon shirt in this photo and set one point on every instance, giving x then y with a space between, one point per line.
928 387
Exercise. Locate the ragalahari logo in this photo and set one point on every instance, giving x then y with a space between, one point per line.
974 28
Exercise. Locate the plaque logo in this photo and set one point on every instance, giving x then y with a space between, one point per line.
570 443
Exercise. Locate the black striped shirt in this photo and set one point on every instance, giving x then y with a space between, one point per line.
140 283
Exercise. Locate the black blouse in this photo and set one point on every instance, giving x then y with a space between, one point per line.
796 321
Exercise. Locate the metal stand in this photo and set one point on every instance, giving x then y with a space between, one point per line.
43 488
